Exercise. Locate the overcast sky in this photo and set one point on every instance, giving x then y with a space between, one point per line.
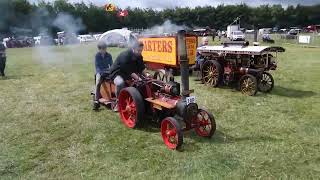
159 4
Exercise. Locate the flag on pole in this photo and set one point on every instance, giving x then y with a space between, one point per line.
110 7
123 13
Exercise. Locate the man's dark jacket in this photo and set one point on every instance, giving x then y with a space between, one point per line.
126 64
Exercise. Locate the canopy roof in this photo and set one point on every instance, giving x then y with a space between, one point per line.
252 50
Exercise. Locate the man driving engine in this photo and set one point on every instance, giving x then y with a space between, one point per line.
128 65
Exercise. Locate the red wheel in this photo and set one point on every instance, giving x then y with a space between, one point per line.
171 132
131 107
205 123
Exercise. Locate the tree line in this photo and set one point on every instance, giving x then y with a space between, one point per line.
23 16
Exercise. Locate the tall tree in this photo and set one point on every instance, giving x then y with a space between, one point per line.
20 15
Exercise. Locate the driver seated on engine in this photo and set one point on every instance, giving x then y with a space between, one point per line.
128 65
199 59
205 42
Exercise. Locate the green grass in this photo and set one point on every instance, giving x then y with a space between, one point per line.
48 130
314 41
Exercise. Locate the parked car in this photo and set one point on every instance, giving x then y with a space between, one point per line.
97 36
20 42
86 38
275 29
312 28
237 36
232 28
203 32
37 40
293 32
266 38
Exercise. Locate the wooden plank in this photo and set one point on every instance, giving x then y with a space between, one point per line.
161 103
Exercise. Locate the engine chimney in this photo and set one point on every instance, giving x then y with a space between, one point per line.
184 63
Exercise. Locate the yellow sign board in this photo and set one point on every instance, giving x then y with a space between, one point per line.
163 50
191 43
160 50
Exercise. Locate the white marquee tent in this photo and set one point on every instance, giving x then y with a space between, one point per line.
117 37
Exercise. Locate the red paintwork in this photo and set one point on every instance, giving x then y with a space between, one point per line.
127 110
169 134
203 124
227 69
155 66
160 102
168 99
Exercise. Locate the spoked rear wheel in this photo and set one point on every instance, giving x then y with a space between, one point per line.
171 132
131 107
248 85
205 124
211 73
266 82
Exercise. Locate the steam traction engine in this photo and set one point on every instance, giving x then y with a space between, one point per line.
149 99
236 62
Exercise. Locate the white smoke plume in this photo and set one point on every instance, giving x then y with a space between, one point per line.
53 55
68 23
166 27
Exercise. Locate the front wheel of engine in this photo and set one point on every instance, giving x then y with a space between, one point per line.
266 82
248 85
205 124
171 133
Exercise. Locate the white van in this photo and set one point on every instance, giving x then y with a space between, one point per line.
237 36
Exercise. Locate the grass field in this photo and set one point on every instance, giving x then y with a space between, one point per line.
48 130
314 39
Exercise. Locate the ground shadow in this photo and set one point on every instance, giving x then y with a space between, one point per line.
278 90
15 77
222 138
292 93
189 147
150 126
